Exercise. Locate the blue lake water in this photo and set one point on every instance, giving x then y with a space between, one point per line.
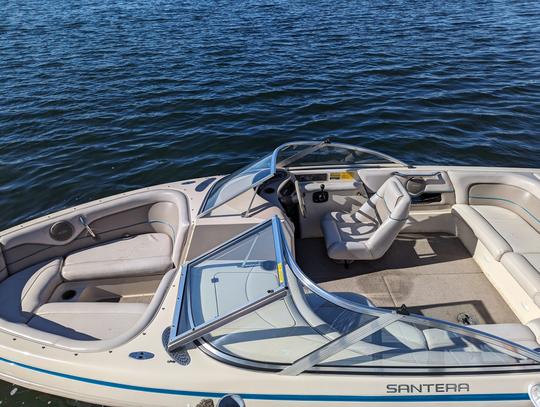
100 97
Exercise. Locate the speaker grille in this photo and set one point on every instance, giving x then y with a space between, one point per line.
61 231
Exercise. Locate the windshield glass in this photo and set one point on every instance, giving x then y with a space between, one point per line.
233 277
231 304
304 331
329 154
238 182
297 154
230 278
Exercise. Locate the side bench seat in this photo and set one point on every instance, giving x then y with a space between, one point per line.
525 268
146 254
521 334
482 229
510 240
499 229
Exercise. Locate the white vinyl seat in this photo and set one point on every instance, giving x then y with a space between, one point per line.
499 229
525 268
25 291
510 240
145 254
517 333
370 231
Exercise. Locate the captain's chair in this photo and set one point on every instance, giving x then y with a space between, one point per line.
369 232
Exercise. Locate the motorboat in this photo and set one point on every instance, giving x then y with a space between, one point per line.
321 274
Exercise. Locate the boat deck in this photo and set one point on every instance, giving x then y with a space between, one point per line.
432 274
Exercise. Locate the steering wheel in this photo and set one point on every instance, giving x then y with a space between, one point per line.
285 191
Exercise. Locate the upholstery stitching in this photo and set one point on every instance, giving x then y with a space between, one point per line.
509 201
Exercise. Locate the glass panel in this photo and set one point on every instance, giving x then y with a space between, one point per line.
336 320
331 155
238 182
286 153
276 333
325 155
289 328
286 330
280 332
406 344
233 277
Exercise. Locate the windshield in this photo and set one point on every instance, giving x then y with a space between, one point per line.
312 154
238 182
249 301
299 154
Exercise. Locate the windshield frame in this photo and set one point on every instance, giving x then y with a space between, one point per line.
205 210
178 339
310 147
284 257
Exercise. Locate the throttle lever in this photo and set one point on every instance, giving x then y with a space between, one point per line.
320 196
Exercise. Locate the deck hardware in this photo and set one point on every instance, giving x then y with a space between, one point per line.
403 310
465 319
141 355
248 210
534 394
204 184
83 221
231 400
427 174
179 355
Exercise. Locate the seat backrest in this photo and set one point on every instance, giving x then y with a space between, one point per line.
390 207
390 201
133 213
516 192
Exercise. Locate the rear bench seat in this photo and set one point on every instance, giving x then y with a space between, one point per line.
502 211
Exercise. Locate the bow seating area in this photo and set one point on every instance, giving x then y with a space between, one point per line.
93 276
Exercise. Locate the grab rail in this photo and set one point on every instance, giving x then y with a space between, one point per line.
427 174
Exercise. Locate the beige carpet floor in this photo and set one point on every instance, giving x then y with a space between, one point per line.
433 275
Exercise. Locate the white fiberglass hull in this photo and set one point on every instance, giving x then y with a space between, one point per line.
111 377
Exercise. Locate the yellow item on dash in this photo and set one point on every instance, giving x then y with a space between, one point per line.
342 176
280 273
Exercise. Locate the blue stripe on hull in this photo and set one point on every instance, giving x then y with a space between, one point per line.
286 397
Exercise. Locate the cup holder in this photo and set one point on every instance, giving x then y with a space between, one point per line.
68 295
